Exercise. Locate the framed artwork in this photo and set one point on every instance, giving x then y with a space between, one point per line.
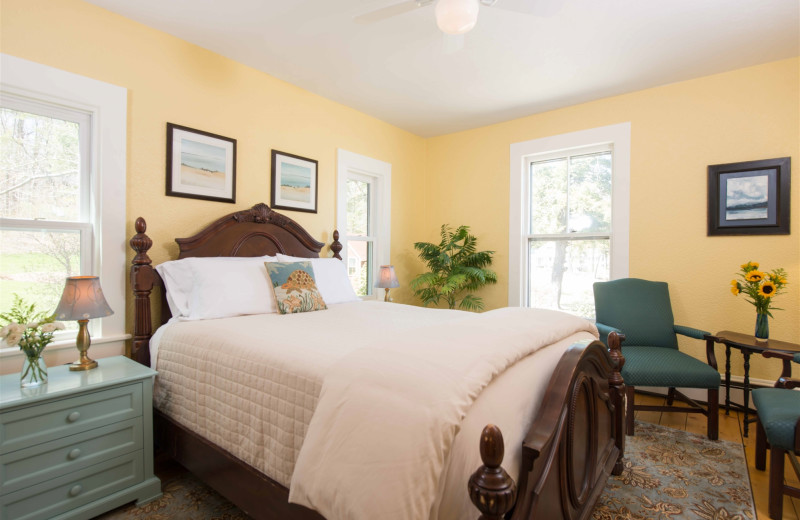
200 165
749 198
294 182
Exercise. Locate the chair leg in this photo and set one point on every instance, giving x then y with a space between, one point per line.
776 458
670 396
629 392
761 447
713 414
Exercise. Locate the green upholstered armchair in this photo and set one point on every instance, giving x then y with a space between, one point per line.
642 311
779 425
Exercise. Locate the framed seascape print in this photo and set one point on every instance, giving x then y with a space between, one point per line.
294 182
200 165
749 198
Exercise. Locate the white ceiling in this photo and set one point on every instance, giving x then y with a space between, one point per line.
404 71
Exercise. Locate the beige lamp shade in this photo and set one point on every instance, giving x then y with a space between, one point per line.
386 278
82 299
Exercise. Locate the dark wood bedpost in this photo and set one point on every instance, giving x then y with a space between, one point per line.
617 389
491 489
336 246
142 280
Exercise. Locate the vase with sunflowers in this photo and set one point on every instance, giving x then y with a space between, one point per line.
760 287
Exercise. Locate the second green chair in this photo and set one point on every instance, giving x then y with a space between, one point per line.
641 310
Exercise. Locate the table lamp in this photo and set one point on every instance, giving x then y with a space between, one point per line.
82 300
387 280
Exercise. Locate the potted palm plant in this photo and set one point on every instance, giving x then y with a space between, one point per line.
456 267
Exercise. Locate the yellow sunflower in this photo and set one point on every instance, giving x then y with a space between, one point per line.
735 290
767 289
753 265
754 276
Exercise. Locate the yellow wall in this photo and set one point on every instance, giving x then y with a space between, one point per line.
677 130
462 178
170 80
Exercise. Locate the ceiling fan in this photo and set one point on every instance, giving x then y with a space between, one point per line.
460 16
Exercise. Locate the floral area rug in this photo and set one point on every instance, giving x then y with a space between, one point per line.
674 474
184 498
669 474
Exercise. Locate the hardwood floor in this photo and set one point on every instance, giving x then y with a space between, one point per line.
730 429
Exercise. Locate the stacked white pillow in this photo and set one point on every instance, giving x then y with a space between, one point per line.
331 277
219 287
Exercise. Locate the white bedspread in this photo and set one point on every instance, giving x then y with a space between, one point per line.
387 417
251 384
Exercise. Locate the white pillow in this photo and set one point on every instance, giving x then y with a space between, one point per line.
331 277
202 287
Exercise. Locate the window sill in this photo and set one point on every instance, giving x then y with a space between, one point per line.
65 344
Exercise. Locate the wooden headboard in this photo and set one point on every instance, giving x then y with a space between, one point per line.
257 231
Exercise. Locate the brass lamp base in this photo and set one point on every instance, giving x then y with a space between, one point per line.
83 342
386 296
81 365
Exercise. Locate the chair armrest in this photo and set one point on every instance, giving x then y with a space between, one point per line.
690 332
786 382
787 359
782 355
605 330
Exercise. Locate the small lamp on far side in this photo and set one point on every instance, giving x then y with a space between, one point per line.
82 300
387 280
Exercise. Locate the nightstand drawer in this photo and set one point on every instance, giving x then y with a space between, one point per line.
61 494
51 420
23 468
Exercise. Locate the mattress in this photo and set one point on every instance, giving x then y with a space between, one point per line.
250 384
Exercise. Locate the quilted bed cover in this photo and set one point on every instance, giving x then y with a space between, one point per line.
250 384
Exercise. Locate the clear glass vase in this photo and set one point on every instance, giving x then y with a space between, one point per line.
762 327
34 372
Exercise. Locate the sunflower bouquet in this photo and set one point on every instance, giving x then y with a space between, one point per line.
759 287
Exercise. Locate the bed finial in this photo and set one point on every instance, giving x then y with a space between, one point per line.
336 246
142 280
491 489
617 387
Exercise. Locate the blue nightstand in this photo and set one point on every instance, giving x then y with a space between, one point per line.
78 446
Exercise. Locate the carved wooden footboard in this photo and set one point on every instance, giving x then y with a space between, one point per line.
576 441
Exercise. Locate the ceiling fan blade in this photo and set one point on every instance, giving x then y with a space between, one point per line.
389 11
534 7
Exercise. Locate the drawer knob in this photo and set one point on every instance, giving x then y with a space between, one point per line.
74 454
75 490
74 416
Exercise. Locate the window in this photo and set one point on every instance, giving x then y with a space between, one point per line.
45 199
569 218
363 217
62 192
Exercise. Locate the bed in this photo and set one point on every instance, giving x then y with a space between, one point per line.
567 437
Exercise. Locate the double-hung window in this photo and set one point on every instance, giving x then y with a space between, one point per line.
569 218
364 198
46 229
62 196
569 229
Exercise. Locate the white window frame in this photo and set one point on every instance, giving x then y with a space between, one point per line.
379 173
106 106
522 154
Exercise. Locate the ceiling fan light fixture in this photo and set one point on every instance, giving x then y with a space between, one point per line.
456 16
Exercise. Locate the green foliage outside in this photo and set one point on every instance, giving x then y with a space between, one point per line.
456 267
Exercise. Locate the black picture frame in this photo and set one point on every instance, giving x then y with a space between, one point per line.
749 198
294 182
200 165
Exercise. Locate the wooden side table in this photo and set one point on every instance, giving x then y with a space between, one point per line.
748 345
